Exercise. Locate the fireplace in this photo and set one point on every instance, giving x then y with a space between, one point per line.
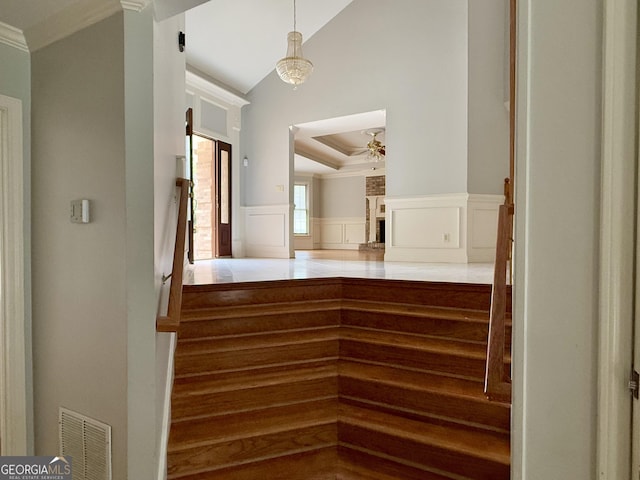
380 230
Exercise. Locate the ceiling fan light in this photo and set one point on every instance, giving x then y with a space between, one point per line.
377 150
294 68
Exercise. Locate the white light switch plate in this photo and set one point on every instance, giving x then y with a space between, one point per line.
80 211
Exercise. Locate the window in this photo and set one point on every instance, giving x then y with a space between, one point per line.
301 209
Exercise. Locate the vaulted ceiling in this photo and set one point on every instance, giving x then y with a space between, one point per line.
236 42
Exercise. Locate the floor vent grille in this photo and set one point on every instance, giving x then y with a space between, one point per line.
88 443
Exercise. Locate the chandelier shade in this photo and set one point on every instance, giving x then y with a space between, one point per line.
294 68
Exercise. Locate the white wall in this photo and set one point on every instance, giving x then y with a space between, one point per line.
557 202
15 82
79 271
488 90
169 134
362 63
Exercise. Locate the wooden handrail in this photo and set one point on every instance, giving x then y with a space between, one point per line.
497 380
171 321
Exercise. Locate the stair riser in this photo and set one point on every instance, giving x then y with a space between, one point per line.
415 359
222 455
242 325
255 358
252 398
448 295
267 421
355 465
255 293
418 324
466 410
406 323
429 455
314 465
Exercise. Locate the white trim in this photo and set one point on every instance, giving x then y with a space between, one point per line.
13 342
617 239
166 408
13 37
134 5
69 21
451 228
196 81
345 233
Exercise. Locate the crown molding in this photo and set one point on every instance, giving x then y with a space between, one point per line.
134 5
13 37
69 21
196 81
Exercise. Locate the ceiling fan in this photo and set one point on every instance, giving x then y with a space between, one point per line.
375 150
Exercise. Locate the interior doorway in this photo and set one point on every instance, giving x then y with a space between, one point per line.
211 198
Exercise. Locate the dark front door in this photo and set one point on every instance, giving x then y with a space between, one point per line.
223 199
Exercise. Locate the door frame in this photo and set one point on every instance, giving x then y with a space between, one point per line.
14 341
617 239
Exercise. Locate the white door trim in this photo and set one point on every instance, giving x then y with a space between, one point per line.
617 239
13 372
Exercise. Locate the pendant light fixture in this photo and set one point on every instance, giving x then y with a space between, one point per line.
294 68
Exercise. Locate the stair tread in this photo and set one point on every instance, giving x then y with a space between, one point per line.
222 455
447 313
251 379
355 464
485 445
219 428
317 464
413 341
420 381
257 310
252 341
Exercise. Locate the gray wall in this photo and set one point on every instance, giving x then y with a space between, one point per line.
555 396
406 56
342 197
79 271
488 90
15 81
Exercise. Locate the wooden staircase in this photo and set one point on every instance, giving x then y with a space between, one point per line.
335 379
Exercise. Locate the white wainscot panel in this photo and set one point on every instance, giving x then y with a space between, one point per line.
433 227
430 228
266 230
331 233
484 228
354 233
341 233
